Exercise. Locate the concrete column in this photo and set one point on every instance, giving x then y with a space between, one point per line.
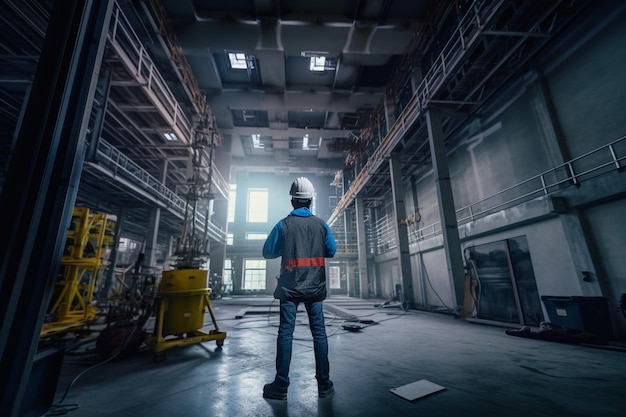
110 275
588 279
557 151
237 265
151 238
347 224
216 256
362 247
401 229
153 226
449 227
169 257
241 208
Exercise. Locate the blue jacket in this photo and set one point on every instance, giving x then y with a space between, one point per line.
303 240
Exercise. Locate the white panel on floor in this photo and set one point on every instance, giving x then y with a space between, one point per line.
417 389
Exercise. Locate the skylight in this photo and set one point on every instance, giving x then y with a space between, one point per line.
170 136
318 63
237 60
310 144
256 142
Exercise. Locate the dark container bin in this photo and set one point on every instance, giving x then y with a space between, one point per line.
589 314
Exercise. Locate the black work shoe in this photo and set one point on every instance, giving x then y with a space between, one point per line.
325 389
274 392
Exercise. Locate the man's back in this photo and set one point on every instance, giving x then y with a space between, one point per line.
304 241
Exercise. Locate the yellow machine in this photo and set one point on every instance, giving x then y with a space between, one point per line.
181 303
183 295
89 237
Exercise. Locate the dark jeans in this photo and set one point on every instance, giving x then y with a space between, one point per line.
315 311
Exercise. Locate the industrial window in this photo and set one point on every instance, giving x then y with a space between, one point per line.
126 244
254 274
256 236
333 277
257 205
230 239
232 197
228 271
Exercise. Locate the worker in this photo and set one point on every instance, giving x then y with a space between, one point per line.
303 240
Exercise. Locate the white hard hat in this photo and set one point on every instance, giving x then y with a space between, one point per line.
302 189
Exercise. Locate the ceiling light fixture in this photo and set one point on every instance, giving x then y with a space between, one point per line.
170 136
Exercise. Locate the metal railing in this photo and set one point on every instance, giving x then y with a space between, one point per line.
346 248
448 61
384 234
138 63
120 164
601 160
220 183
140 66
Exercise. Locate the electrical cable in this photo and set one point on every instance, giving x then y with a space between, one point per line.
450 309
423 268
59 408
479 287
330 320
473 273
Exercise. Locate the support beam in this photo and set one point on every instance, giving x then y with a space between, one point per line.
449 227
154 224
401 229
348 237
361 247
151 238
110 273
101 99
42 182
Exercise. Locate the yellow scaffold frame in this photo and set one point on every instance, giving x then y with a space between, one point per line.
88 237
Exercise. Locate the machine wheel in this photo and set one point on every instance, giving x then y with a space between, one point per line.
158 357
220 343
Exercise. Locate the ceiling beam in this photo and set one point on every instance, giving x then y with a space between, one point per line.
310 165
291 132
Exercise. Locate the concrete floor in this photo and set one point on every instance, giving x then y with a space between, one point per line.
485 371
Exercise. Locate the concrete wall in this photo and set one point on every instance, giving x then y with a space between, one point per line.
588 86
608 239
570 102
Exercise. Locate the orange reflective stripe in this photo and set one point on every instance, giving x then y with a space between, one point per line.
294 263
